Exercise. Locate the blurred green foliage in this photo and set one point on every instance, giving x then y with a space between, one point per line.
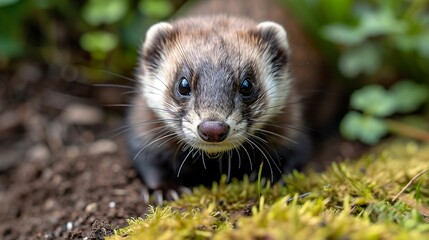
97 12
98 43
370 40
93 35
372 103
157 9
374 42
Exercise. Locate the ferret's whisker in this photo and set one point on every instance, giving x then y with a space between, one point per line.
119 76
238 154
183 162
150 143
278 135
204 162
229 166
113 85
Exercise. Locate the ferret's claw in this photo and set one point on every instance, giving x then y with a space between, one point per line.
145 195
172 195
184 190
158 196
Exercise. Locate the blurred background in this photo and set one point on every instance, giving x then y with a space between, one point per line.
53 52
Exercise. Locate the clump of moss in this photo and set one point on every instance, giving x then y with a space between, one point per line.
351 200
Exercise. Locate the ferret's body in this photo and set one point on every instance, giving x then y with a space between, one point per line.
216 96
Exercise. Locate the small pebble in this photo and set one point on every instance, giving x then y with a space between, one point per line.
49 204
112 204
120 192
72 152
69 226
91 207
80 114
38 152
103 146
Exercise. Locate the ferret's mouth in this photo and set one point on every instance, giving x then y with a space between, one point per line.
216 148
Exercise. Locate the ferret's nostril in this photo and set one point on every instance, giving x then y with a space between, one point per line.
213 131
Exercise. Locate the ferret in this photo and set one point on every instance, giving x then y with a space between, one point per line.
216 95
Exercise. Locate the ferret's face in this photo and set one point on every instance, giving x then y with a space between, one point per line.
215 84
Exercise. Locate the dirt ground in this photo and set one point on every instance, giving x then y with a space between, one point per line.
63 172
73 195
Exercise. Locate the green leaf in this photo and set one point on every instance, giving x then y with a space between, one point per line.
422 44
7 2
373 100
381 22
409 96
97 12
98 43
342 34
156 8
417 194
10 46
367 129
363 59
349 125
406 43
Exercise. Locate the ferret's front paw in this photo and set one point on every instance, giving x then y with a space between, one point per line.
158 196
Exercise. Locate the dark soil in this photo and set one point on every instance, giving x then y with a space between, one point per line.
61 175
74 194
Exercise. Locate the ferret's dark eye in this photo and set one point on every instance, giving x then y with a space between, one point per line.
246 88
184 88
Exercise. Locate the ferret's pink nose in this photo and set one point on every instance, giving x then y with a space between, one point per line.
213 131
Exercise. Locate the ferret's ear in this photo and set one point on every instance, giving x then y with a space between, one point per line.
153 45
157 31
271 31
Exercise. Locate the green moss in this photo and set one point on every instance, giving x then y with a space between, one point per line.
350 200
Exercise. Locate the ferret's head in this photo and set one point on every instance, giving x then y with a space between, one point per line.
216 81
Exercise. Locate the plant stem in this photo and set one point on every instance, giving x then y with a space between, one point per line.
407 130
409 183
